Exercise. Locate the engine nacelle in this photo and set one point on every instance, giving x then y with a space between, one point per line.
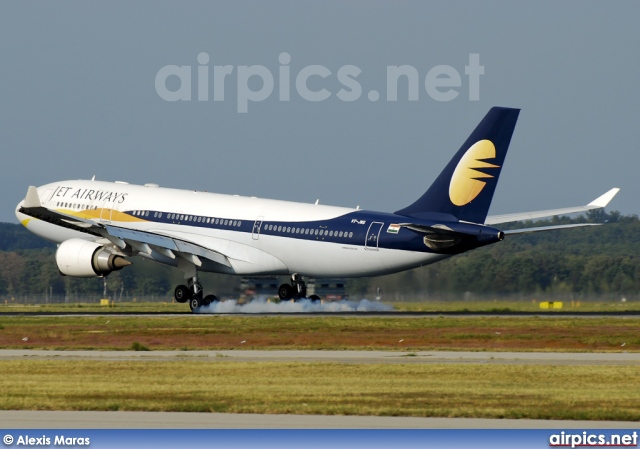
82 258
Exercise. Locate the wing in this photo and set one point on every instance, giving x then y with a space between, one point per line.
140 242
598 203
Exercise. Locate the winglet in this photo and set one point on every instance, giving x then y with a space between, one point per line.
603 200
32 199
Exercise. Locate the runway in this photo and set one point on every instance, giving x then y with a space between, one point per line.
383 357
359 314
172 420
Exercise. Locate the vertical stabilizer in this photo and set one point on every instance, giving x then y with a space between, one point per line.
465 187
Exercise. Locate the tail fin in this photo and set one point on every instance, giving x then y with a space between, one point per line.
465 187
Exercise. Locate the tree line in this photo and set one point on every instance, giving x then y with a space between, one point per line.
598 260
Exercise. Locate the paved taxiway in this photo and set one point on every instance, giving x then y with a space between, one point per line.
420 357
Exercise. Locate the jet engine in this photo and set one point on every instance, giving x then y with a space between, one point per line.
83 258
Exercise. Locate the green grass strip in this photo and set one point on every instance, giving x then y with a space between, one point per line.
215 385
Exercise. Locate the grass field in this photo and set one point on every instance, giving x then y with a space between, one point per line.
217 385
487 391
326 332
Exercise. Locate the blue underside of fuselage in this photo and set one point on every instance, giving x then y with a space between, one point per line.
360 228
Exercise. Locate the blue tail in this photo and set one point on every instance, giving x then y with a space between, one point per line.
465 187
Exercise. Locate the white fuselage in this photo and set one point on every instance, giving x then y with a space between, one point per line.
253 233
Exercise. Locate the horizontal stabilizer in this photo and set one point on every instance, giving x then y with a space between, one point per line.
548 228
598 203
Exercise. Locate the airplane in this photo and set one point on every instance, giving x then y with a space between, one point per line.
99 226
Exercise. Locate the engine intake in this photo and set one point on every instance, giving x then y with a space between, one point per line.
83 258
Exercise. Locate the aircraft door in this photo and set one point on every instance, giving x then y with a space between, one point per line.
44 198
105 213
373 234
108 211
255 234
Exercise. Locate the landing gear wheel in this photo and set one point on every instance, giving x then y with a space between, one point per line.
314 298
285 292
182 293
194 303
209 299
299 287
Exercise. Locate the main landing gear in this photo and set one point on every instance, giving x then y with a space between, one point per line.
296 290
193 294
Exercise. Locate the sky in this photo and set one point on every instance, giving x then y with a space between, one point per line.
100 89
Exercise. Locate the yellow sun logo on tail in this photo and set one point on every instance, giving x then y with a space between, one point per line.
466 182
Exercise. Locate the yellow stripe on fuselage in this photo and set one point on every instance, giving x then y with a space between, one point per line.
102 213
